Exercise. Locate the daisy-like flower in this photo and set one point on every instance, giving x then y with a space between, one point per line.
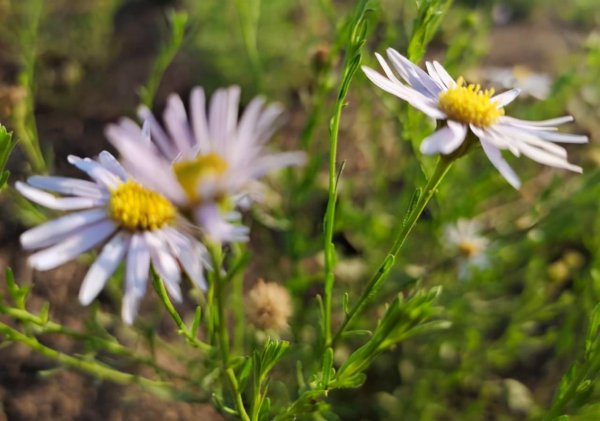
465 238
467 107
138 225
209 163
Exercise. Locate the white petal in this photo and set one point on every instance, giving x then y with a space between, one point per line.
452 235
386 69
460 131
268 121
561 137
163 143
520 137
59 203
146 133
199 123
136 277
96 171
55 231
495 157
191 254
542 123
444 75
445 140
105 265
152 170
108 161
233 104
73 246
405 93
497 138
68 186
547 158
176 120
165 264
549 147
414 75
212 222
433 73
222 117
268 163
191 262
129 128
505 98
248 135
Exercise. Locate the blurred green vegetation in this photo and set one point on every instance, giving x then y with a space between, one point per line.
517 325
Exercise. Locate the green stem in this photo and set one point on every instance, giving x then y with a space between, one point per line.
182 328
237 302
355 41
55 328
441 169
329 248
248 14
93 367
24 113
222 333
237 394
256 399
178 24
558 407
235 276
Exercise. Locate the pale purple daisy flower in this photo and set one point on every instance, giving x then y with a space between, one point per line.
467 107
139 226
209 163
464 237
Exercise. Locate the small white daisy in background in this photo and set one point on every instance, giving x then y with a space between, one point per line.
536 85
464 238
467 107
209 163
138 225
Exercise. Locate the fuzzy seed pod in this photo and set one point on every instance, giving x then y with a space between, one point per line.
268 306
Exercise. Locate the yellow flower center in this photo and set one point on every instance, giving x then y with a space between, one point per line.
468 249
191 173
136 208
470 105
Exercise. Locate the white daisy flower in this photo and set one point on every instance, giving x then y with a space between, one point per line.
467 107
138 225
209 163
464 237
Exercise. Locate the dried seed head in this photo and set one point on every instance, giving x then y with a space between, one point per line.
268 306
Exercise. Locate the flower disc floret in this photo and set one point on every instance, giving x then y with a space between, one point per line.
468 248
136 208
469 104
191 173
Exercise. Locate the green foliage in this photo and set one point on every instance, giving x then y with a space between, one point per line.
6 146
357 31
402 319
577 385
178 22
23 113
263 362
429 17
